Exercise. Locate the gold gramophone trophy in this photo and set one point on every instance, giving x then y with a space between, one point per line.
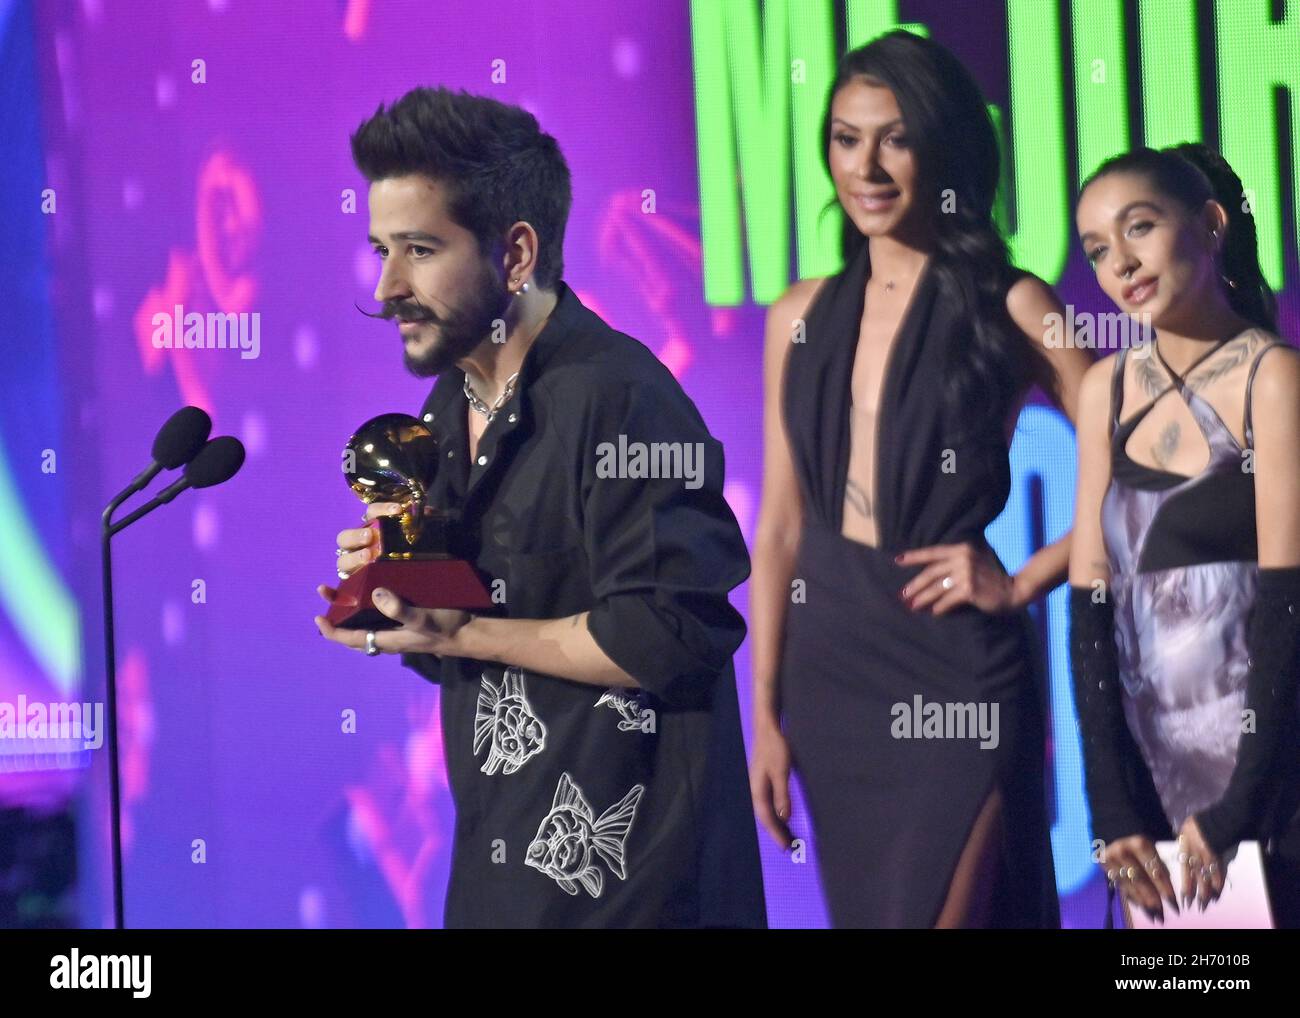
393 458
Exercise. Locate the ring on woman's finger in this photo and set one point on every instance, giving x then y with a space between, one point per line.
1112 875
1128 873
1151 863
342 574
1183 857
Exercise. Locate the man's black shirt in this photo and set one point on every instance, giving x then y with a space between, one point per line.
578 805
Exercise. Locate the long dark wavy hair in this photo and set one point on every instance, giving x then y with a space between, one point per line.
1191 174
952 135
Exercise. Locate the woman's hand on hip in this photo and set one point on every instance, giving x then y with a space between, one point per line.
957 574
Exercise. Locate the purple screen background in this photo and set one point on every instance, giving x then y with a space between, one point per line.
229 195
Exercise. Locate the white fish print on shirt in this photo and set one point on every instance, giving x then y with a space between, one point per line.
569 839
628 707
506 720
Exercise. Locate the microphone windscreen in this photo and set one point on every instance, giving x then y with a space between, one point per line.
181 438
216 462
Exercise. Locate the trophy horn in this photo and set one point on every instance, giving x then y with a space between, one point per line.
393 458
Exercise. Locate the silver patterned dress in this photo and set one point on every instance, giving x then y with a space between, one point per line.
1183 566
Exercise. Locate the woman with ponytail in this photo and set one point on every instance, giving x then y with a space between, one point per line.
895 664
1185 562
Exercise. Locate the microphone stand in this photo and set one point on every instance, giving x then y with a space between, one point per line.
110 657
107 529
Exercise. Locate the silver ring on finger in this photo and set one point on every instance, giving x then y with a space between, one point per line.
947 583
342 574
1112 876
371 648
1151 864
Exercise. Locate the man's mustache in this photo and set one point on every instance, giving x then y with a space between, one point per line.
406 311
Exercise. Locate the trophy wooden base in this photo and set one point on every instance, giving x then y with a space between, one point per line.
429 583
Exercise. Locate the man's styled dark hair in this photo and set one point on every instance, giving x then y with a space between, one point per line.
496 163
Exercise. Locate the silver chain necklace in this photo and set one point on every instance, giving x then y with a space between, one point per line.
482 408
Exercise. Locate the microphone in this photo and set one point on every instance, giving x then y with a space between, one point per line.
181 440
217 461
178 441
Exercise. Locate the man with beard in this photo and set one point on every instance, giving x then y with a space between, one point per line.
590 724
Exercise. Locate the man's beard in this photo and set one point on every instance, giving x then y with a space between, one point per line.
463 329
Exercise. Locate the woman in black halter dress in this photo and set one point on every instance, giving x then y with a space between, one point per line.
853 650
917 733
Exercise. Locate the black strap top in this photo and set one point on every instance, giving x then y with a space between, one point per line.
1206 517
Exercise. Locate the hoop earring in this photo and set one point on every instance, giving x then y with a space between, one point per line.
1232 283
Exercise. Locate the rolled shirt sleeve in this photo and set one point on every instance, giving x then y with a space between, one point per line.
664 551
